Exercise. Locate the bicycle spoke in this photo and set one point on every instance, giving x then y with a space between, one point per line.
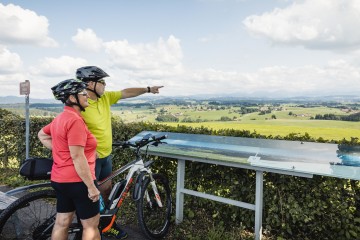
26 219
31 217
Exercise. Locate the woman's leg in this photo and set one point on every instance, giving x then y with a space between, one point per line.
61 227
90 228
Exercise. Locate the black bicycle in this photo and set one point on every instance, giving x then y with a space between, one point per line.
32 216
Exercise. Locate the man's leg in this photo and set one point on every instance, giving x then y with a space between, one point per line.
105 190
103 169
61 227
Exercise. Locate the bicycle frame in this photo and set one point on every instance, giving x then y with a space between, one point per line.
138 167
145 186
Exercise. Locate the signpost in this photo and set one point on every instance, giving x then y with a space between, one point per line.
25 90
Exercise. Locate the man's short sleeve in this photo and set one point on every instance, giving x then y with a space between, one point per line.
114 96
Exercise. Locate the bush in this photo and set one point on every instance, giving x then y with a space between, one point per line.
294 207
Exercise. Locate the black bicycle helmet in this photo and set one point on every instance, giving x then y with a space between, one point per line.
68 87
90 73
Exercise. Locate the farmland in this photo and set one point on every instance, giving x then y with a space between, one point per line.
300 121
266 118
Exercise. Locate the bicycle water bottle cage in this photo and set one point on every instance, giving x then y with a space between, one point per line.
115 193
138 183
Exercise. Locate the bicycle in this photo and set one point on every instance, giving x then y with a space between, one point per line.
33 215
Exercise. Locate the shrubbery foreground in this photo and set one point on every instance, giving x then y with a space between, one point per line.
294 207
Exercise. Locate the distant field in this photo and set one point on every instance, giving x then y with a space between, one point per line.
282 120
298 122
331 130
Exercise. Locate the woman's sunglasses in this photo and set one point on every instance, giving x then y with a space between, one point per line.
83 93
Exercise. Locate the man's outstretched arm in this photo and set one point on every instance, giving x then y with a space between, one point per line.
134 92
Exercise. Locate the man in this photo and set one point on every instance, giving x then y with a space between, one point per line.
98 119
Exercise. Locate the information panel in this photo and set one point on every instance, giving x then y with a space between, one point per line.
326 159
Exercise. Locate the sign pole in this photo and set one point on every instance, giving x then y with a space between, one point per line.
25 90
27 123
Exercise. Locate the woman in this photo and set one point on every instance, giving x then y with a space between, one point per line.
74 153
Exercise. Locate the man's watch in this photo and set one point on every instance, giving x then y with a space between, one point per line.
148 89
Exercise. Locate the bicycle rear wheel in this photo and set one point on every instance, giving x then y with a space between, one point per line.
154 220
32 217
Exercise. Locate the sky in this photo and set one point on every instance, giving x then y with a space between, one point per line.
262 48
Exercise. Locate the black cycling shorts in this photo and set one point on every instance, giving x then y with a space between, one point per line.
74 196
103 167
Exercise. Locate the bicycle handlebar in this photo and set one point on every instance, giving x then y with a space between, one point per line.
147 139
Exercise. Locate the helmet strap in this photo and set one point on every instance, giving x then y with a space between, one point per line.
94 91
78 103
70 103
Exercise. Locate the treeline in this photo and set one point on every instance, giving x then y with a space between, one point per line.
330 116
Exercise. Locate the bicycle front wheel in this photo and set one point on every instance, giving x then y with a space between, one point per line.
154 219
31 217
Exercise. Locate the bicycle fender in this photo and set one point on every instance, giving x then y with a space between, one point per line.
138 184
25 188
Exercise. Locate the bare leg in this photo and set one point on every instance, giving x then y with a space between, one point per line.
90 228
105 190
61 227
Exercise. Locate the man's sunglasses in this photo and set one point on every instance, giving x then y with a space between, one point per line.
102 81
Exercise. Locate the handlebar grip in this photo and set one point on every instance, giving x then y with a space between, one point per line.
123 144
162 137
118 143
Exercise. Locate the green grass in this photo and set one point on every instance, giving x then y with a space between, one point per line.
299 122
330 130
284 124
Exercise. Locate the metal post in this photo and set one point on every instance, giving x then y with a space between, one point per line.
27 120
259 204
179 191
25 90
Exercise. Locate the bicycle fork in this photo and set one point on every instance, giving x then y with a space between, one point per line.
156 193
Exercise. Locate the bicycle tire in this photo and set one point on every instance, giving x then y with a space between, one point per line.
154 220
30 217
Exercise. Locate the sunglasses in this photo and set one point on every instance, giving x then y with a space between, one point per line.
102 81
83 93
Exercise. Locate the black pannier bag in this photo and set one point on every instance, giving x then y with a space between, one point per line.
36 168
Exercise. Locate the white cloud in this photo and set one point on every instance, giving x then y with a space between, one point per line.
87 40
9 62
156 60
10 84
320 24
336 77
51 71
56 67
23 26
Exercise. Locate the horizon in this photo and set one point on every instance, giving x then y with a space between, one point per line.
280 48
4 100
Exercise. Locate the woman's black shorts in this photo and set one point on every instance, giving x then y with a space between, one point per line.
74 196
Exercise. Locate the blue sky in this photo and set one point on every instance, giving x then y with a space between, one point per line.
241 47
